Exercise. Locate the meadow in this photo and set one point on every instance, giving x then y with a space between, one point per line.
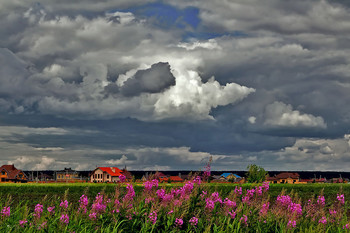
190 207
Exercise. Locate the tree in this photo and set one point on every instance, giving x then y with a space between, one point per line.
255 174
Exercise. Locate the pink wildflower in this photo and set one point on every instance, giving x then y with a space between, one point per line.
347 226
64 204
332 212
197 180
209 204
51 209
38 210
83 203
178 222
264 208
122 178
323 220
153 217
244 219
291 224
232 214
92 216
64 219
130 194
238 190
6 211
341 199
23 222
194 221
321 201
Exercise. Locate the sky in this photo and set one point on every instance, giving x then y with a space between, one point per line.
165 85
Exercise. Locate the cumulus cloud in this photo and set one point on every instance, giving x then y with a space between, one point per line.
321 16
75 75
279 114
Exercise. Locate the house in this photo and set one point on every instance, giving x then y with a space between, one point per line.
227 176
231 177
175 179
9 173
105 174
67 175
284 178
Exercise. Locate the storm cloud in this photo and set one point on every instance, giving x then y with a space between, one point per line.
123 83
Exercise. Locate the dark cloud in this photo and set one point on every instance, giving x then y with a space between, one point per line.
153 80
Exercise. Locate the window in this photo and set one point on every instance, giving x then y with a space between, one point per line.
3 173
107 176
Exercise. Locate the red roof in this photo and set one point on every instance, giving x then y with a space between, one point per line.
113 171
175 178
285 175
12 172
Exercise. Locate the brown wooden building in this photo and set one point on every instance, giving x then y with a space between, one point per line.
9 173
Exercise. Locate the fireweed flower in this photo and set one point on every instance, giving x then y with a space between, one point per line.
229 204
204 193
179 222
197 180
38 210
83 203
238 190
160 193
244 220
130 194
122 178
284 200
6 211
216 197
340 198
266 186
232 214
170 212
332 212
23 222
51 209
295 208
98 206
209 204
323 220
193 221
291 224
321 201
93 216
153 217
347 226
150 184
264 208
64 219
64 204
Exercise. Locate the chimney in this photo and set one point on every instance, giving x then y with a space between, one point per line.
113 170
180 174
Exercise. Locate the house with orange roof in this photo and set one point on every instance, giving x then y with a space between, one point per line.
105 174
9 173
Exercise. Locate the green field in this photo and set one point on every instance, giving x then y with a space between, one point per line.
33 192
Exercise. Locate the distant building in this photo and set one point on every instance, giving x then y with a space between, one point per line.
284 178
67 175
9 173
106 174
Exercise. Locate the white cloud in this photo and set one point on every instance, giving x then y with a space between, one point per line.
282 115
